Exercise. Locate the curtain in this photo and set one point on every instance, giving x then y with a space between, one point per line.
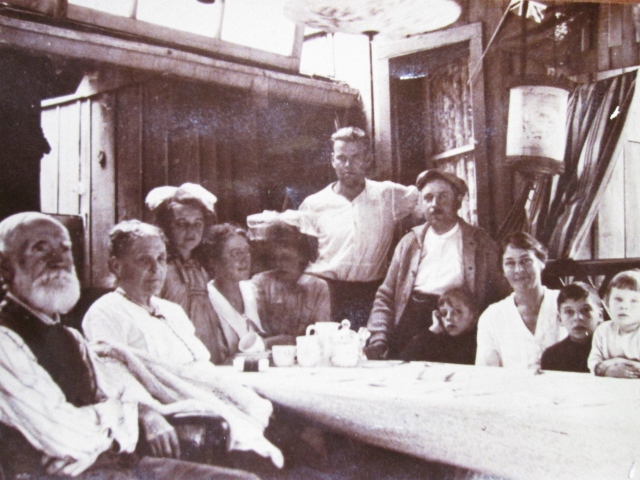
563 208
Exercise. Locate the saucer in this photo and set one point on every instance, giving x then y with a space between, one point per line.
257 355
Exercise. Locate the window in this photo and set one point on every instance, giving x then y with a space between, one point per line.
254 30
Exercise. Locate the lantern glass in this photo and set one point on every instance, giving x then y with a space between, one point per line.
536 134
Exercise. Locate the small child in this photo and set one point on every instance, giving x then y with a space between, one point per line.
616 344
452 337
580 312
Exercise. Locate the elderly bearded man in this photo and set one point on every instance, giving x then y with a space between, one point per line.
444 253
60 416
355 219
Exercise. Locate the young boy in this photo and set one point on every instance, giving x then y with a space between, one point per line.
452 337
616 344
579 312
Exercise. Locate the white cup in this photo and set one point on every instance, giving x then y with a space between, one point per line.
283 355
308 351
251 342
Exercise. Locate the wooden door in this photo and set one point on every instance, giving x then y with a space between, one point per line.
430 115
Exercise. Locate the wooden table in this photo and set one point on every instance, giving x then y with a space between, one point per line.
511 423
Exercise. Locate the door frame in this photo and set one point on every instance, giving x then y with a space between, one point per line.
387 164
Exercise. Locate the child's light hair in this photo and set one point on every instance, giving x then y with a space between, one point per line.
462 294
459 293
627 280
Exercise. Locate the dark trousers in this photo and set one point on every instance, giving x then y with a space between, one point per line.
131 467
352 300
19 460
415 319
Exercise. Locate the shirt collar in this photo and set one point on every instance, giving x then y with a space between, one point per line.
45 318
367 187
154 311
445 235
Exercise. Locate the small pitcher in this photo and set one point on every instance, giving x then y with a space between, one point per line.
308 351
346 346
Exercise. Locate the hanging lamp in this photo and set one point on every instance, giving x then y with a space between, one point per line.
536 129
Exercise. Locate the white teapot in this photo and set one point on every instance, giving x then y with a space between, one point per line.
347 345
325 332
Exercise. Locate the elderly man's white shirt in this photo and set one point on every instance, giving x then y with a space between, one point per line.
169 336
35 405
502 331
354 236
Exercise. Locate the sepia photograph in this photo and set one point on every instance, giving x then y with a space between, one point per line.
319 239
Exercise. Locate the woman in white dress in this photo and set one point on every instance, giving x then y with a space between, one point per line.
515 331
227 254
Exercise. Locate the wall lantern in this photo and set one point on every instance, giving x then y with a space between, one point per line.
536 131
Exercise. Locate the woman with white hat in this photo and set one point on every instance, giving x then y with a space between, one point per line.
186 214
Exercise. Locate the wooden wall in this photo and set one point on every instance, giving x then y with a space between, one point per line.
616 230
74 178
607 41
111 147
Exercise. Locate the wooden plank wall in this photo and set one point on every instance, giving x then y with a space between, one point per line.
110 149
497 71
617 46
617 228
73 180
610 44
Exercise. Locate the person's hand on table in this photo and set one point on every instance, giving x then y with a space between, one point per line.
159 433
618 368
375 351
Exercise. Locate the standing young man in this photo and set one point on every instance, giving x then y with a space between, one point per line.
355 219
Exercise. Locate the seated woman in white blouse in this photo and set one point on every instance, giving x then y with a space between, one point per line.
133 315
136 321
227 255
515 331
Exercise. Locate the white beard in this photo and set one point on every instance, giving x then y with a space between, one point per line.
53 291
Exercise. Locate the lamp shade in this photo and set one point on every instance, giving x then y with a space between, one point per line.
389 18
536 132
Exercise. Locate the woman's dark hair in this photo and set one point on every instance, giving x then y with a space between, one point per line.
164 216
124 233
210 250
461 293
525 241
285 235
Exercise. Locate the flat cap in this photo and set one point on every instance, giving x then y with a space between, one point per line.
430 175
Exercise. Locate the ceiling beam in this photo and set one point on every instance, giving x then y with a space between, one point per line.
53 40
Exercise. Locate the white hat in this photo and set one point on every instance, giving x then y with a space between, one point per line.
186 191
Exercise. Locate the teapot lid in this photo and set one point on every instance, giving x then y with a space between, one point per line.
345 333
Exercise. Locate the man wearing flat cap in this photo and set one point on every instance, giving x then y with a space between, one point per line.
444 253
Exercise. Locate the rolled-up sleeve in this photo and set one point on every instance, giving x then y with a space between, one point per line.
404 200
